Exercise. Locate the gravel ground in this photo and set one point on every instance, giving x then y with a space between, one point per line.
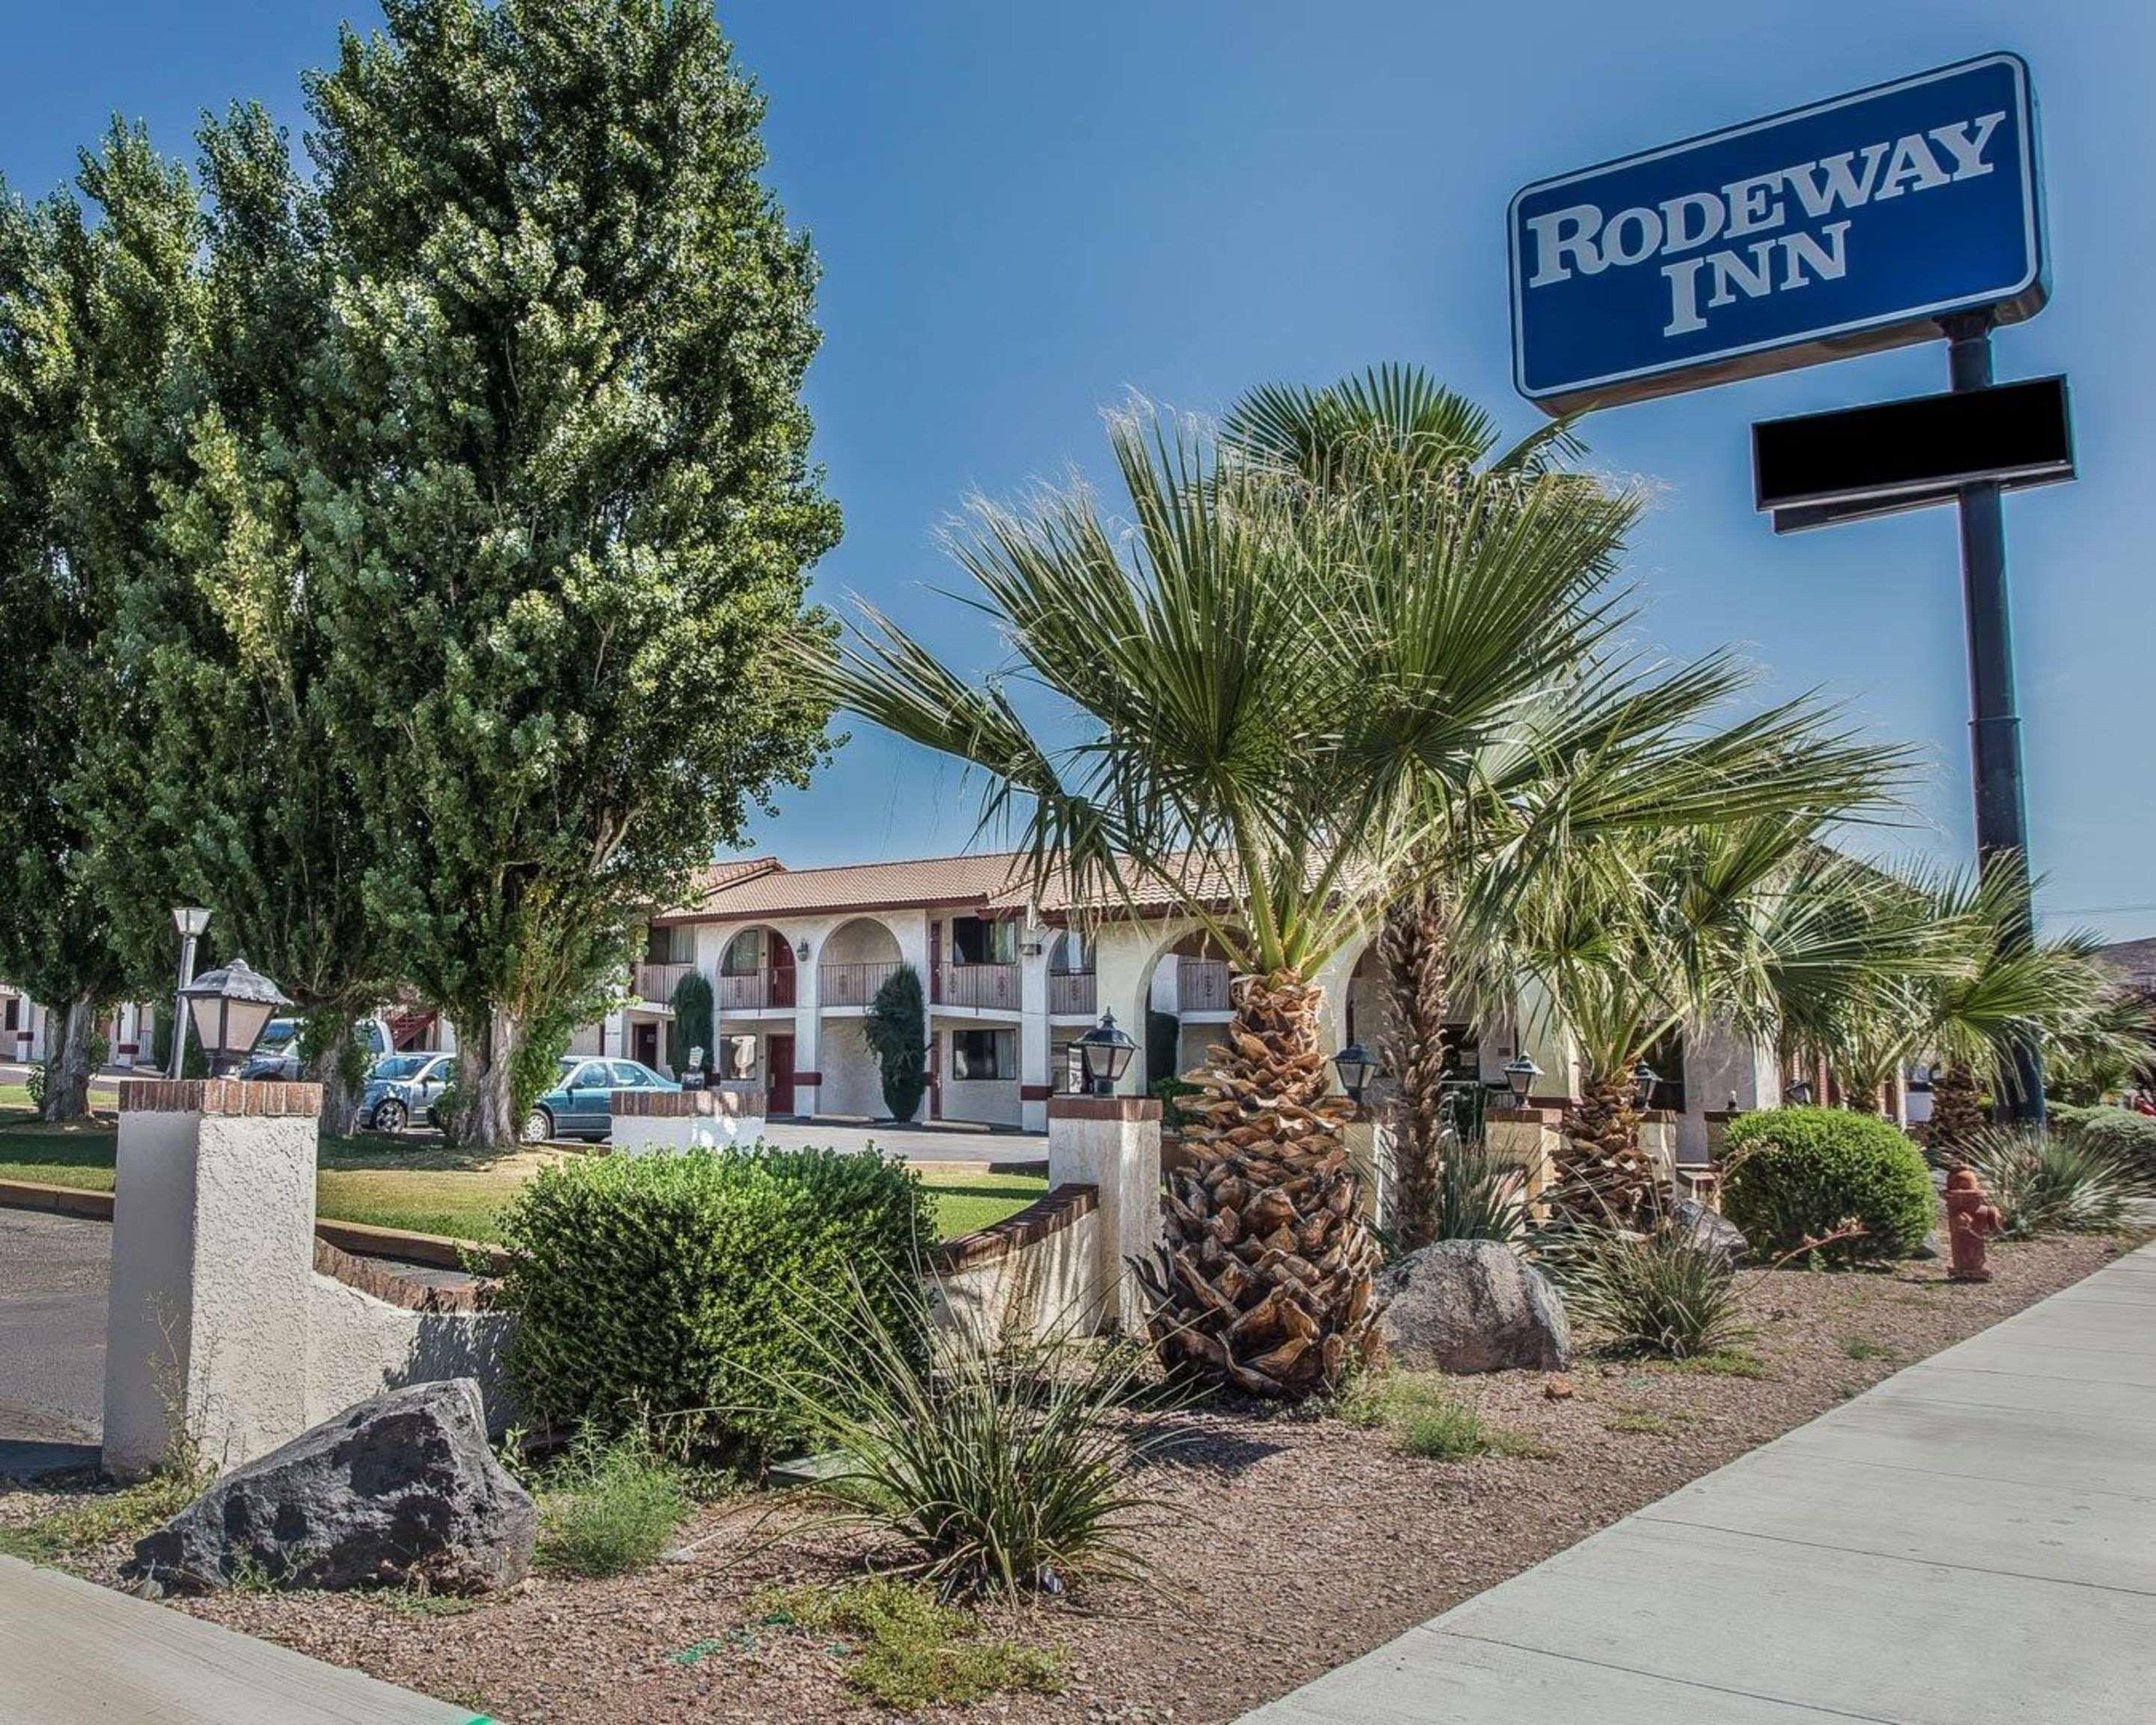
1284 1544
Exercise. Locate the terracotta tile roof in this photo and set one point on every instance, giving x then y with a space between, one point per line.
994 881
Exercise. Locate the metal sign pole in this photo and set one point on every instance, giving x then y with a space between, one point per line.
2002 822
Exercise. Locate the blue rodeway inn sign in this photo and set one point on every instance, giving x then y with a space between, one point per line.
1849 225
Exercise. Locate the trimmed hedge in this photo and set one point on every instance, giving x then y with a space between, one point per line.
1798 1174
652 1286
2119 1129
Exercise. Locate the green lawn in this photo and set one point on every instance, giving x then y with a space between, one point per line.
422 1186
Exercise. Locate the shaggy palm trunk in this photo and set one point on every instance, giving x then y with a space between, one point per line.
1957 1109
1264 1281
1414 947
67 1073
1603 1177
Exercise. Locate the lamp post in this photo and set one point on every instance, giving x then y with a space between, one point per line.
1104 1052
1356 1068
1520 1075
231 1008
191 920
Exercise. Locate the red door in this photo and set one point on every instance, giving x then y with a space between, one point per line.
778 1052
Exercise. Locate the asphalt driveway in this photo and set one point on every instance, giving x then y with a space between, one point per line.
52 1337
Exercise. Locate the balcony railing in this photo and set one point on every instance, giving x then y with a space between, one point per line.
852 985
656 982
989 985
1201 985
756 989
1071 993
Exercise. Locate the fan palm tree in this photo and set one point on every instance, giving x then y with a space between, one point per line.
1740 922
2000 994
1265 699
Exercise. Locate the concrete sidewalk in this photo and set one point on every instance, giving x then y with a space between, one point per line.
1972 1540
72 1653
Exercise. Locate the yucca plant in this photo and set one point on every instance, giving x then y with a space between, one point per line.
1286 699
2056 1183
1005 1471
1475 1196
1667 1293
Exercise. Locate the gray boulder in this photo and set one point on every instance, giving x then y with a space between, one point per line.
1710 1229
1471 1306
399 1489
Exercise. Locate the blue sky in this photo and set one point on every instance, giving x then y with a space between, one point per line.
1025 211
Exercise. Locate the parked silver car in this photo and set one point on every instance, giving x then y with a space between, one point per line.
277 1055
403 1089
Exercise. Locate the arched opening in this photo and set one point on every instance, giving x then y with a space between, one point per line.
756 971
857 959
1073 991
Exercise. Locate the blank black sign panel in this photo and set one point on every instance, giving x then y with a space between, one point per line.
2009 432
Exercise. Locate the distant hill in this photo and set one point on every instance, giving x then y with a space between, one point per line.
2135 961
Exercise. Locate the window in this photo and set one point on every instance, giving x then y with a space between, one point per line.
14 1009
980 939
629 1075
591 1076
671 943
984 1053
1666 1058
744 954
1071 959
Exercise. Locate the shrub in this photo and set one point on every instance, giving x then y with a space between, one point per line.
1796 1175
609 1506
684 1288
1666 1293
896 1028
2073 1183
1002 1472
692 1026
2119 1129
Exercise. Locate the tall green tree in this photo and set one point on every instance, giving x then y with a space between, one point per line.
232 795
897 1031
97 298
554 487
1260 695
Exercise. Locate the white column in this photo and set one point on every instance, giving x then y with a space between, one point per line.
1035 950
213 1253
1112 1144
807 1023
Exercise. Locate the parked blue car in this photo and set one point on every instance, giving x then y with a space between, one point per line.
580 1104
402 1088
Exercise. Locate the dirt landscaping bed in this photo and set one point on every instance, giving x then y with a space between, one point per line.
1284 1544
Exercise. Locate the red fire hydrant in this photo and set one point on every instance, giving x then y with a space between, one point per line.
1972 1219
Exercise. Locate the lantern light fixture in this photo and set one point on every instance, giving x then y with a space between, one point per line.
1521 1074
1357 1069
1104 1052
230 1007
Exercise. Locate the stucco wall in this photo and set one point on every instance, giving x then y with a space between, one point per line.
853 1083
1029 1290
358 1346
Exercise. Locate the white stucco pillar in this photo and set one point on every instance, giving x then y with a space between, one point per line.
212 1256
1112 1144
809 1026
1034 1081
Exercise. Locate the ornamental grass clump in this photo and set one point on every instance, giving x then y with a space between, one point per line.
2064 1182
1004 1471
1474 1195
675 1291
1667 1294
610 1507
